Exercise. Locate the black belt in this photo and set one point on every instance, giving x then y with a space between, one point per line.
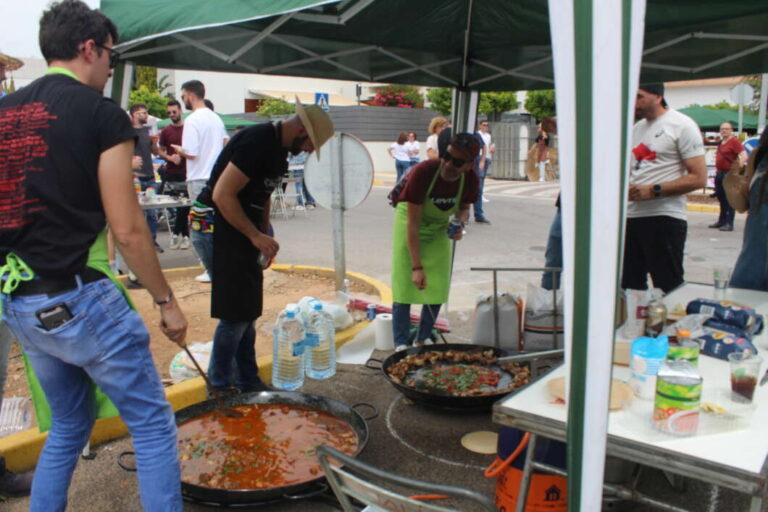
56 286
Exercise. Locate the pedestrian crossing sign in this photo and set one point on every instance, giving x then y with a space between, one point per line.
321 100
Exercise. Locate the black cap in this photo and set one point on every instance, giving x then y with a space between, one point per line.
655 88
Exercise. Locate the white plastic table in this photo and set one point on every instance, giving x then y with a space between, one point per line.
732 453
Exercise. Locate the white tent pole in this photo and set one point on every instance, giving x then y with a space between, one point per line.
763 102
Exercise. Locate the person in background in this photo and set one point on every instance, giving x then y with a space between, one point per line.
246 173
542 153
751 269
68 312
436 125
413 148
11 484
554 252
421 248
399 151
479 169
667 162
490 149
296 165
202 141
143 169
175 175
730 154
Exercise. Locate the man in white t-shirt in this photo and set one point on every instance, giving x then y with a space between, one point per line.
203 137
667 163
201 142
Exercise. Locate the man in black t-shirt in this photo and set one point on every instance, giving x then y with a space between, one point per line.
246 172
65 171
143 169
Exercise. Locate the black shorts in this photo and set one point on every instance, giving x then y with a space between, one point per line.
654 245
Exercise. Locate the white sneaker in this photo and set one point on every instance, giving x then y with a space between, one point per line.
203 278
184 244
175 241
400 348
485 200
299 207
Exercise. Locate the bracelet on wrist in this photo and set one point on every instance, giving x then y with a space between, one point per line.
167 300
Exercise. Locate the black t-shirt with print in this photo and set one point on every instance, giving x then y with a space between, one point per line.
443 194
52 133
257 151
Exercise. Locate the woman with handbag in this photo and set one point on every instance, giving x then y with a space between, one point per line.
748 193
421 242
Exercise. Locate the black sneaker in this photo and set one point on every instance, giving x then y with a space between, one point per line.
159 249
727 227
224 392
716 225
13 485
482 220
258 386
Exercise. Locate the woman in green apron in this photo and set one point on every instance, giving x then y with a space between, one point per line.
421 247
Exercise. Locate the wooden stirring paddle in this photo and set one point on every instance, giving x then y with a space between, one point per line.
226 411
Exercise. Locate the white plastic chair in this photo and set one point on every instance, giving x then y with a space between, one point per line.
354 480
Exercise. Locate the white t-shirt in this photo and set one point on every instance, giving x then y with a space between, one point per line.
401 152
487 140
432 144
203 138
658 150
413 146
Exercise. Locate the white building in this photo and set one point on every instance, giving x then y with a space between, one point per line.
708 91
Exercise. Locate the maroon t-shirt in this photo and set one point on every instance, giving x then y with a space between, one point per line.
171 134
727 153
443 194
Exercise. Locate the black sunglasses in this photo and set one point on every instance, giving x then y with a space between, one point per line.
114 56
457 162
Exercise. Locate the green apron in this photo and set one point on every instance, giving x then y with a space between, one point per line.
16 271
434 247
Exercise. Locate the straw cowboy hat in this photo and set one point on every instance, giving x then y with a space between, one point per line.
317 123
10 63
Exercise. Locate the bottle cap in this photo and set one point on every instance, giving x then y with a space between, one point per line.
683 333
317 305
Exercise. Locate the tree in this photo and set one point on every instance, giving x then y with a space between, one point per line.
156 104
276 107
395 95
541 104
440 100
146 76
493 104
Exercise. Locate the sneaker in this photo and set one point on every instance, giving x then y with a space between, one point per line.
158 249
184 244
299 208
13 485
400 348
203 278
486 200
175 242
727 227
716 225
310 207
482 220
133 281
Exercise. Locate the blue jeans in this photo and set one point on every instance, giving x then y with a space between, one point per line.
402 168
105 342
401 322
150 215
751 269
203 244
727 213
478 206
5 347
554 254
233 358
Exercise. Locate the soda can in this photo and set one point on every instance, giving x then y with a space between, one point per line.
370 312
454 228
263 260
684 349
656 318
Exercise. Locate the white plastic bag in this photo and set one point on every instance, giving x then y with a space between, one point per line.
637 311
15 416
182 368
542 319
510 320
341 317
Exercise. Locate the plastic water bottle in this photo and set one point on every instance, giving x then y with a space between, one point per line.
288 350
320 343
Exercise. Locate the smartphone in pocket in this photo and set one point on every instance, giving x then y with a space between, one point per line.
54 316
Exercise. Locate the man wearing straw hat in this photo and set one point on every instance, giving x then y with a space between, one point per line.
246 172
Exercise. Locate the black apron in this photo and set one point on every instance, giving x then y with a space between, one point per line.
237 287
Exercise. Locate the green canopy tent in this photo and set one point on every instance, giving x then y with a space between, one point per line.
230 122
711 118
591 48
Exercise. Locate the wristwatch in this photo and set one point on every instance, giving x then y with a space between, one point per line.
656 190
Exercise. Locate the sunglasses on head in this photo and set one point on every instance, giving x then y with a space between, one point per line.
114 56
